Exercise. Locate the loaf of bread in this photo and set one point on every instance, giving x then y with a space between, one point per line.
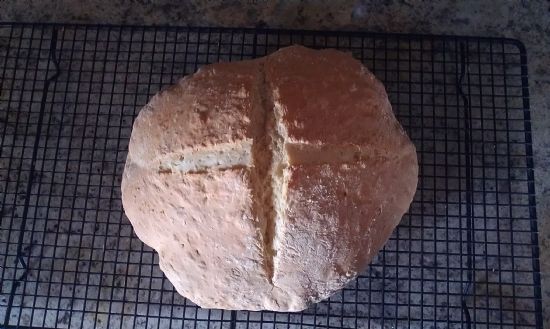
268 184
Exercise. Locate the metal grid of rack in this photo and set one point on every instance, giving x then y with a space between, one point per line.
464 256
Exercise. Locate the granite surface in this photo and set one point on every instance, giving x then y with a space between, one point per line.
528 21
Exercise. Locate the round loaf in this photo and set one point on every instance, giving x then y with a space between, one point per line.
268 184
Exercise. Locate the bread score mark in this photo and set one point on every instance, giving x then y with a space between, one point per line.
312 154
263 154
276 186
221 156
247 154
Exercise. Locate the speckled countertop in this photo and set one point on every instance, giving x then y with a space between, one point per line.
528 21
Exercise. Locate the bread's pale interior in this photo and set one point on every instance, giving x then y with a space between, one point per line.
216 157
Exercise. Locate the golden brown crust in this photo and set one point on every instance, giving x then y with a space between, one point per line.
349 210
330 98
215 106
202 223
319 174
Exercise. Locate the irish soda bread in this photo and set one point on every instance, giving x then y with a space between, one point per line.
268 183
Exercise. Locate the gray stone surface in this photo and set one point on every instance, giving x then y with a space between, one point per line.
528 21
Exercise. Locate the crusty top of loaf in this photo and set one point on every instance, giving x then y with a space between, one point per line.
331 98
215 106
268 183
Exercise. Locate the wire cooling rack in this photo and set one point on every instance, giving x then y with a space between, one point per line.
465 255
